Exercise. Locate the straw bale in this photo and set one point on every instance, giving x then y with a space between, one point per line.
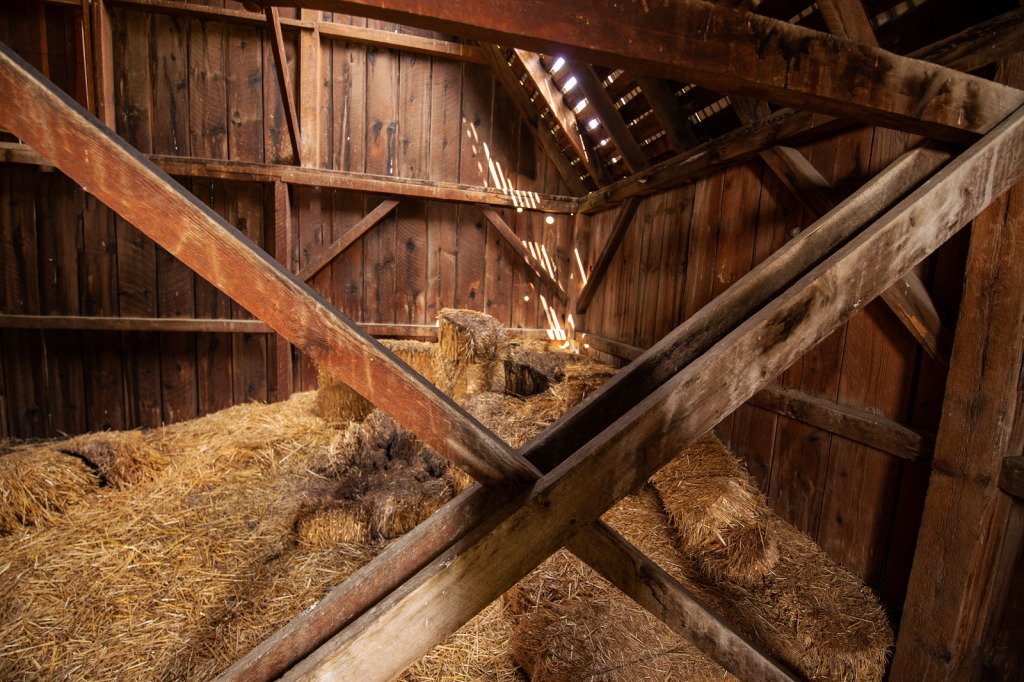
466 336
36 484
336 401
721 516
580 380
123 458
419 355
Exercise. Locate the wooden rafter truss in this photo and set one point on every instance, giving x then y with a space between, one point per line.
553 491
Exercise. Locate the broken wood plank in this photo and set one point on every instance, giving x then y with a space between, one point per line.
473 572
727 51
622 221
528 110
187 229
284 80
562 114
665 106
517 245
323 258
605 112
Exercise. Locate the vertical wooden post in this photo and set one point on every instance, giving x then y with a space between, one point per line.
103 62
88 60
309 90
965 513
283 253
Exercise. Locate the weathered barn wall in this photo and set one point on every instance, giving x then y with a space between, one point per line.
687 245
185 87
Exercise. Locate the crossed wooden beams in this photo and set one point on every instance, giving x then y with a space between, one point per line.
553 491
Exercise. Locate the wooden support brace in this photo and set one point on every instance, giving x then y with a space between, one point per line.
318 262
528 110
146 197
666 108
584 422
284 81
517 245
309 91
979 45
468 576
847 19
622 221
562 114
605 112
88 59
282 222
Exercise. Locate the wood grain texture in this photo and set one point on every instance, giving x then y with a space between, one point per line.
324 256
600 104
728 51
623 218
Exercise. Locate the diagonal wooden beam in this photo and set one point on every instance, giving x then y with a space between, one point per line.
550 95
979 45
666 108
517 245
454 521
622 221
284 80
528 110
847 18
66 134
604 110
467 577
131 185
322 259
691 41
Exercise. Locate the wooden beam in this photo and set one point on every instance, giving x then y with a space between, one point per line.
562 114
980 45
148 324
908 298
528 110
744 143
622 221
848 422
103 62
284 81
847 19
675 351
605 112
517 245
282 221
965 516
665 106
88 59
317 263
691 41
241 171
622 564
189 230
309 91
206 13
617 348
467 577
402 41
1011 476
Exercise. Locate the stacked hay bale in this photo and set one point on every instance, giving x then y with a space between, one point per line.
472 348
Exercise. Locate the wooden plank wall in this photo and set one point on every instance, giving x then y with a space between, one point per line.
190 88
687 245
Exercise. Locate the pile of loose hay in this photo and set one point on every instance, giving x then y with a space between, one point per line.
170 554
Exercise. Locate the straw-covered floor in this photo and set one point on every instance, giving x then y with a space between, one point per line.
167 555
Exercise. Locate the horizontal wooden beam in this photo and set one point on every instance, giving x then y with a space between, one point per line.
346 240
605 345
604 259
145 324
328 30
240 171
784 126
723 49
517 245
119 176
